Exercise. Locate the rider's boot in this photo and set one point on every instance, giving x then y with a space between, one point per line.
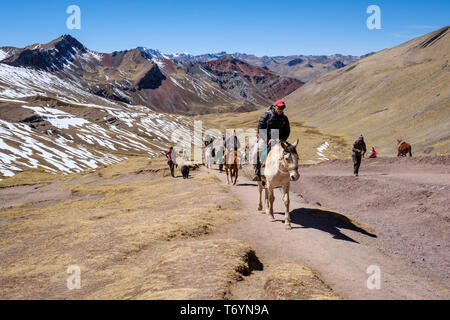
257 175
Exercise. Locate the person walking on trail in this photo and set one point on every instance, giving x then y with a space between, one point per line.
219 157
359 150
171 155
273 119
220 154
232 143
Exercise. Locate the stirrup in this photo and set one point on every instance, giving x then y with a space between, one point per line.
256 177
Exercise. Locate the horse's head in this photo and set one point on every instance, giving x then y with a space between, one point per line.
290 159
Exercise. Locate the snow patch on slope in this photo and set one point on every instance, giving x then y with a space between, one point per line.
3 55
321 150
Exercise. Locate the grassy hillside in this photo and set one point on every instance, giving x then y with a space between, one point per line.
403 93
134 232
311 140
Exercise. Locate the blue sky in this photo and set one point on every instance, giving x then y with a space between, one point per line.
275 27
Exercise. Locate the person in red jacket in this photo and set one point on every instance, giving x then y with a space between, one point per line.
373 153
171 162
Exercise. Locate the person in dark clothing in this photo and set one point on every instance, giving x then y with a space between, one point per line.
273 119
221 154
219 157
359 150
171 156
208 140
232 143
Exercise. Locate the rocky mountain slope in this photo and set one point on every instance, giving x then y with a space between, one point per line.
51 124
65 108
398 93
249 81
301 67
140 77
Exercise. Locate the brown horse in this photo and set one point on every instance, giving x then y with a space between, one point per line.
403 148
231 166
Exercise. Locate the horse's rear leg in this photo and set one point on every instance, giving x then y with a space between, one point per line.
227 172
236 174
287 215
260 189
410 151
269 201
266 199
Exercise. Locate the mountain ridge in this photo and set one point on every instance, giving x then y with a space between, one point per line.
397 93
145 77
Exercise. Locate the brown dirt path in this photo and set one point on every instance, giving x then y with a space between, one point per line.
338 248
406 200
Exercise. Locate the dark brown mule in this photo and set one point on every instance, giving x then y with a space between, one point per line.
403 148
231 166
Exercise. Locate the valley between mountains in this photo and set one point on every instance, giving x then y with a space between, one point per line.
83 182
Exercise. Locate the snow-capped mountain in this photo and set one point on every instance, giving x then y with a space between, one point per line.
54 124
65 108
142 77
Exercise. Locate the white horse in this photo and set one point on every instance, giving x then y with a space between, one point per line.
281 167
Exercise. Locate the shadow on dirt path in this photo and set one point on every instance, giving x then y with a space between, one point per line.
339 247
326 221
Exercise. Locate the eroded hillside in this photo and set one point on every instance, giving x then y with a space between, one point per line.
398 93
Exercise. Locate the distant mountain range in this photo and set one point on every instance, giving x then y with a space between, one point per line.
301 67
176 83
65 108
397 93
150 78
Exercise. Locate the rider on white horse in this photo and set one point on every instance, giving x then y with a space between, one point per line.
273 119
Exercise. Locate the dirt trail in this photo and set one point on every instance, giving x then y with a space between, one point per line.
338 248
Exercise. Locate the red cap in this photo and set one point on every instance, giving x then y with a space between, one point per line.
280 103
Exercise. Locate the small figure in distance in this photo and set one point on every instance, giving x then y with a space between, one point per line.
359 150
171 156
373 153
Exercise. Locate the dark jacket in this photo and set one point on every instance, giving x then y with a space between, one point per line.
359 147
271 121
232 143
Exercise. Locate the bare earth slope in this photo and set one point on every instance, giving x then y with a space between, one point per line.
406 201
138 234
346 235
403 93
339 245
135 233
